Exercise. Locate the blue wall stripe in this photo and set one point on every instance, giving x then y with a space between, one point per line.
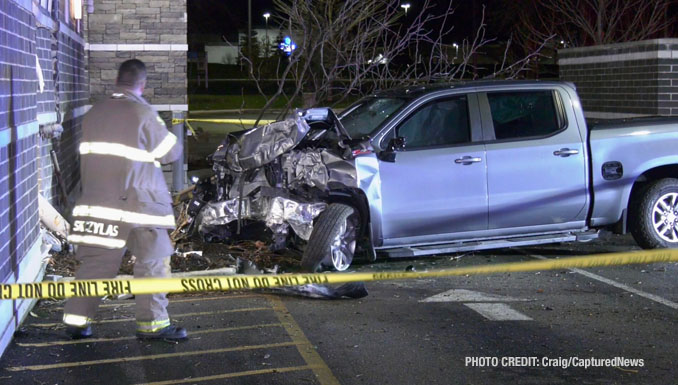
23 131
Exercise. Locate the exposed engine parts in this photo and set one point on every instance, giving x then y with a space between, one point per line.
271 179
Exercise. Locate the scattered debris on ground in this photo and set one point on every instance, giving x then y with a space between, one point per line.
354 290
61 264
198 257
218 255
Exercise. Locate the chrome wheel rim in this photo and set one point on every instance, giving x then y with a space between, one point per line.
343 245
665 217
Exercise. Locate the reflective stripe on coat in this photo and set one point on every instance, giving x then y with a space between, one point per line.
123 145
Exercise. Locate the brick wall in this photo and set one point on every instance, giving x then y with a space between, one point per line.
19 202
137 21
151 31
45 44
625 79
28 31
63 63
18 142
72 79
166 82
73 96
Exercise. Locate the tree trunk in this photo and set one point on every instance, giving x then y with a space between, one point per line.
599 21
308 99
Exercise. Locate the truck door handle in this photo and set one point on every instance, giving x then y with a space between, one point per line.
466 160
565 152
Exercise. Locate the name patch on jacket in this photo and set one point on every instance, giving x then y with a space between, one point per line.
96 228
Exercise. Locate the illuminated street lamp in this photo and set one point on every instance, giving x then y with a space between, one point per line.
456 49
266 16
405 6
76 11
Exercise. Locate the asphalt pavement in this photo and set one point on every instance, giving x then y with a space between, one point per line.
595 326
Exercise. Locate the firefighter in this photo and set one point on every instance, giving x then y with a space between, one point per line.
125 203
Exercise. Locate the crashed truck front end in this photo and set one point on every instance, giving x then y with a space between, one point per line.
292 183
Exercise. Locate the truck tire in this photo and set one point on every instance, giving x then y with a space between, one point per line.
654 223
333 240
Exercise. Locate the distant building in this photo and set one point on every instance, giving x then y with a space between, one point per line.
264 41
222 53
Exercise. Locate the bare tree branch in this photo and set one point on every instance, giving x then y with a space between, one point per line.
349 47
593 22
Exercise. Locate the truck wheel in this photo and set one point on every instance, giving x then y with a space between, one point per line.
333 240
655 222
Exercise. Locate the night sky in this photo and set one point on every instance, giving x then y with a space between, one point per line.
226 17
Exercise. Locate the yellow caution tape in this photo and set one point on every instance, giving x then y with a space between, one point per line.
195 134
229 121
100 288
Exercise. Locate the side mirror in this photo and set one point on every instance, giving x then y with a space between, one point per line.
315 114
389 154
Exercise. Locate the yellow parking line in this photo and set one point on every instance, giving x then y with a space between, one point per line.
131 303
191 334
189 300
49 325
233 375
149 357
312 358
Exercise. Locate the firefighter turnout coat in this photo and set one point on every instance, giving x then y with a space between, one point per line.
123 145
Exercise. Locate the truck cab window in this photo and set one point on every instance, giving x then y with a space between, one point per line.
523 114
439 123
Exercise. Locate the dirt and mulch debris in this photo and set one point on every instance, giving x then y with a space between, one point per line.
197 257
217 255
248 257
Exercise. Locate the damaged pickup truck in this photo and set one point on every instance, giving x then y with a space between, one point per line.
438 169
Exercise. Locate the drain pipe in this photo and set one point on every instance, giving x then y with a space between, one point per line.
178 165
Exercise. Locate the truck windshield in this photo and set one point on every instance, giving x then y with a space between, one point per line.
366 116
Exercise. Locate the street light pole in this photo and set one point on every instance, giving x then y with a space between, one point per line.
266 16
249 29
405 6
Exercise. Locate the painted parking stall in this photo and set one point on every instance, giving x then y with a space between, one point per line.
580 330
245 326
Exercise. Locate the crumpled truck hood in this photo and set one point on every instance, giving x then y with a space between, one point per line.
261 145
313 167
244 163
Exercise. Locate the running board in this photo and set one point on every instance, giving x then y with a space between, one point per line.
417 251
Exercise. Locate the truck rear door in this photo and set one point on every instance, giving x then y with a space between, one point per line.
536 161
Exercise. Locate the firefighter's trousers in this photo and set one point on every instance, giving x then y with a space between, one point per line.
152 249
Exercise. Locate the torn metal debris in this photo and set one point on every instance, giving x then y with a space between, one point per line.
273 183
354 290
276 212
